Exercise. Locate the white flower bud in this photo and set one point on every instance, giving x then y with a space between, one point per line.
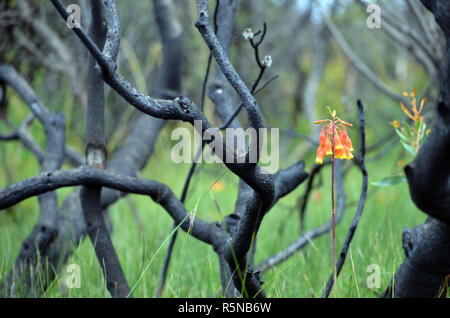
267 62
248 34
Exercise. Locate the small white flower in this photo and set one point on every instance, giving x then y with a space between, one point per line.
267 62
248 34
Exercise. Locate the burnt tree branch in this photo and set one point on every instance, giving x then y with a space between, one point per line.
29 264
96 156
263 183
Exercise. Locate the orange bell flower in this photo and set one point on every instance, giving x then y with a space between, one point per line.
334 133
346 139
320 155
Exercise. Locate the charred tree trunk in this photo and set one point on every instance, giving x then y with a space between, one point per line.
96 154
427 246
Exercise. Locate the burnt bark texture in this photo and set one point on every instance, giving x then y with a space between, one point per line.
102 180
28 268
426 246
260 190
96 154
48 247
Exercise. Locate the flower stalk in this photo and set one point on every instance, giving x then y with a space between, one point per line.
332 206
335 142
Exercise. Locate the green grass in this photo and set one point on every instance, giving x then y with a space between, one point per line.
194 267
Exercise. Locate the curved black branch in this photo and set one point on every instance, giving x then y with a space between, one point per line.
28 264
96 153
10 76
90 176
253 112
250 219
208 65
255 46
228 122
182 109
309 187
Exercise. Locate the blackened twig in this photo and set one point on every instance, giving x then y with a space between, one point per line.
208 66
314 172
227 123
254 113
256 45
262 69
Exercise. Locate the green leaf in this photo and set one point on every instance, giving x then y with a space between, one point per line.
389 181
408 148
423 133
401 135
408 131
418 124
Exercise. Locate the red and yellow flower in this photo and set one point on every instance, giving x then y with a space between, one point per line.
334 135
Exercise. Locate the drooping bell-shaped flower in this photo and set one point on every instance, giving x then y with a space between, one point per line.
334 135
320 155
346 139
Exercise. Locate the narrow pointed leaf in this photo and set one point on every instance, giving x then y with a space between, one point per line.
408 148
418 123
408 131
389 181
401 135
423 131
